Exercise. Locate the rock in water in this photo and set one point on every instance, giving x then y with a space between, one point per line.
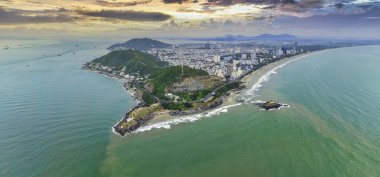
271 105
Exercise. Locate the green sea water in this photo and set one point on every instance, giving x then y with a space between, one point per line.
56 119
332 128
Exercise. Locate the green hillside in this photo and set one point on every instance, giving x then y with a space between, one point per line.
169 75
141 44
134 61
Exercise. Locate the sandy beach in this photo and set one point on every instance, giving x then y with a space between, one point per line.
252 82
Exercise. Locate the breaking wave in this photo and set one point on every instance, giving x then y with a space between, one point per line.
255 87
193 118
186 119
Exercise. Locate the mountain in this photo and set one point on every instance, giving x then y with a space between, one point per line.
270 37
142 44
133 60
237 37
276 37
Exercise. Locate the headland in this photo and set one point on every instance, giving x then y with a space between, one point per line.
168 91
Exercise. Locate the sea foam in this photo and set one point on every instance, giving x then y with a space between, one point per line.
255 87
193 118
186 119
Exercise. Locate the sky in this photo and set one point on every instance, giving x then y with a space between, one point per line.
189 18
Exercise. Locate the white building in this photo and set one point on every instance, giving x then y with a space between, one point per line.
244 56
216 58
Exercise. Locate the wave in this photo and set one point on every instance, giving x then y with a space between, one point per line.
187 119
256 87
193 118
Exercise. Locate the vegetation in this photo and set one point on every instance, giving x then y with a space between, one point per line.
148 99
225 89
141 44
187 85
161 77
193 96
134 61
125 124
168 76
177 106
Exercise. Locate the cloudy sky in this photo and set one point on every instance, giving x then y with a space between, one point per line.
189 18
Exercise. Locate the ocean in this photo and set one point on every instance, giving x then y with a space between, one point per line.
56 120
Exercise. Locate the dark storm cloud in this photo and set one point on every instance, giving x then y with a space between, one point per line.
299 7
233 2
281 5
204 24
291 5
127 15
121 4
370 18
366 6
27 17
339 5
204 9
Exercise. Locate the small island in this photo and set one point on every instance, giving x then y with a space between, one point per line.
269 105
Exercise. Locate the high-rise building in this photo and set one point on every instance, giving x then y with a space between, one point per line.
216 58
207 46
244 56
253 56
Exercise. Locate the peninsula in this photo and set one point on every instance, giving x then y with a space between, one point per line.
186 79
159 87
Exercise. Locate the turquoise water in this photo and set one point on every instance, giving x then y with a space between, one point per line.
331 128
55 120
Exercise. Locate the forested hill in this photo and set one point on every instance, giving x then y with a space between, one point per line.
134 61
142 44
169 75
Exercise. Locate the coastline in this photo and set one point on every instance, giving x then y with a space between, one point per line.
252 81
162 119
118 78
256 79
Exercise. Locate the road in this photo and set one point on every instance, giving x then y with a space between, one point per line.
209 95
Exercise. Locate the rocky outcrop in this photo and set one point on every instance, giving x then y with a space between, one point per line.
271 105
135 119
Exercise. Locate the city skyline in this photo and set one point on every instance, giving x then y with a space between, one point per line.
185 18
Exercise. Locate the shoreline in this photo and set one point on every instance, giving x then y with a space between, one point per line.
164 119
118 78
256 79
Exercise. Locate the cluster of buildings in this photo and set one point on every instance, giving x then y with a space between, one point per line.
112 72
225 60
